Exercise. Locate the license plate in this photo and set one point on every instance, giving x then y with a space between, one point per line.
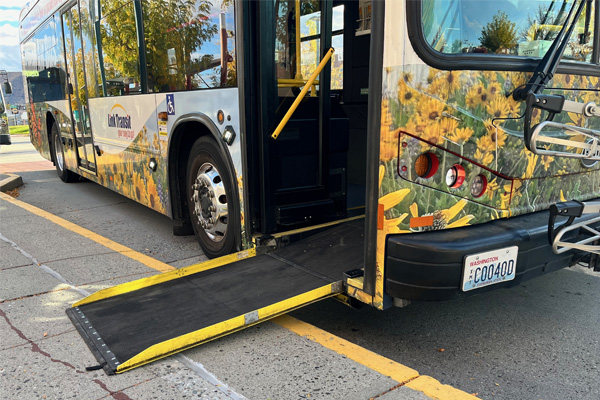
490 267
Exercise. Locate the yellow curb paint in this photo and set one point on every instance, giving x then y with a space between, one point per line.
119 248
398 372
437 390
383 365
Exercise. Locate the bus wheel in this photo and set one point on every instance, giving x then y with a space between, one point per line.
211 199
58 153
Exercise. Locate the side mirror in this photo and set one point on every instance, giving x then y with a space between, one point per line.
7 88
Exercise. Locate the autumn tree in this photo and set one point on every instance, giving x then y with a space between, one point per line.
499 34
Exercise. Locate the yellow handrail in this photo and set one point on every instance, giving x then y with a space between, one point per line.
305 89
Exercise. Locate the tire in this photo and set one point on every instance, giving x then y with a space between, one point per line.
58 154
211 200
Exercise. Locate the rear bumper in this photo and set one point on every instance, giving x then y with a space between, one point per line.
429 266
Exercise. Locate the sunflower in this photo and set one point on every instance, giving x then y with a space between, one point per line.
442 218
486 144
494 89
461 135
448 126
476 95
483 157
431 110
406 95
152 196
139 188
432 134
392 199
499 107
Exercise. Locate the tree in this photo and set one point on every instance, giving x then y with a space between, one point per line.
500 34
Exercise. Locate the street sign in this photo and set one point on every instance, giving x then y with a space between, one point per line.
15 110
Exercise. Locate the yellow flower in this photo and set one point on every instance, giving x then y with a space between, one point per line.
562 196
483 157
448 126
491 188
406 95
381 174
139 188
494 89
391 225
392 199
531 163
461 135
498 108
388 150
431 110
433 134
442 218
476 95
152 196
546 161
485 143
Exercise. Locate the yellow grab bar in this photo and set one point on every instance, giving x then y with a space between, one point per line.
305 89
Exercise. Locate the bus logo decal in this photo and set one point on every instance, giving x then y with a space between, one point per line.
170 104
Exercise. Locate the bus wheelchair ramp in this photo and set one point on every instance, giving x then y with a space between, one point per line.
138 322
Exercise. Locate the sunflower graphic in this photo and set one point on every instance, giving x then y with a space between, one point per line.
442 219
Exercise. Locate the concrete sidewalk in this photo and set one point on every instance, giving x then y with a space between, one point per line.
45 268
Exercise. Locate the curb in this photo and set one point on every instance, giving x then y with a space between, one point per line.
10 182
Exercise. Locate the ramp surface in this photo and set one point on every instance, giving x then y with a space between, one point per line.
136 327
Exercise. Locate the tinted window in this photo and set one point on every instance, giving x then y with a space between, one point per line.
42 66
192 48
511 27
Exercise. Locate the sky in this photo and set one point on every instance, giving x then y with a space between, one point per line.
10 59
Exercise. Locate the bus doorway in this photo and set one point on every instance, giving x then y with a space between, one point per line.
305 178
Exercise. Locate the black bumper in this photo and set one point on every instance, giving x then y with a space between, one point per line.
429 265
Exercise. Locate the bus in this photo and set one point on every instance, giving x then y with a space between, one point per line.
398 150
6 88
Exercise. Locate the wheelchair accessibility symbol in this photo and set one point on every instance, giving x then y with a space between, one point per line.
170 104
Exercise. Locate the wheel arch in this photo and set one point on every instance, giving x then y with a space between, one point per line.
186 130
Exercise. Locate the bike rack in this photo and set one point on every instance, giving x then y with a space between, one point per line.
575 209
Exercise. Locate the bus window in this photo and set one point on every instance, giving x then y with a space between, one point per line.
120 57
191 49
525 29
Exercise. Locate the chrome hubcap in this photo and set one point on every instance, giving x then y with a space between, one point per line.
210 202
58 153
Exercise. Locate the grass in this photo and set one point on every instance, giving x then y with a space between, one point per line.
19 130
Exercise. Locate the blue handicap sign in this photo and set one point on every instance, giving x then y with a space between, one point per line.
170 104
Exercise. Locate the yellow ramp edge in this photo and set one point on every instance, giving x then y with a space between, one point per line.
165 277
192 339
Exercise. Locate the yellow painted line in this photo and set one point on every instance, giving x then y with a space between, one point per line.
196 338
398 372
119 248
165 277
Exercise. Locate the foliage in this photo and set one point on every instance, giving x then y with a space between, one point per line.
499 34
19 130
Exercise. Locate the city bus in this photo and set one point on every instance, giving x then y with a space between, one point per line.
6 88
379 151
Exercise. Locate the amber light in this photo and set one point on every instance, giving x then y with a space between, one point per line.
478 186
426 165
455 176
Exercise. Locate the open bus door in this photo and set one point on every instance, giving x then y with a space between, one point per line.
303 176
138 322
